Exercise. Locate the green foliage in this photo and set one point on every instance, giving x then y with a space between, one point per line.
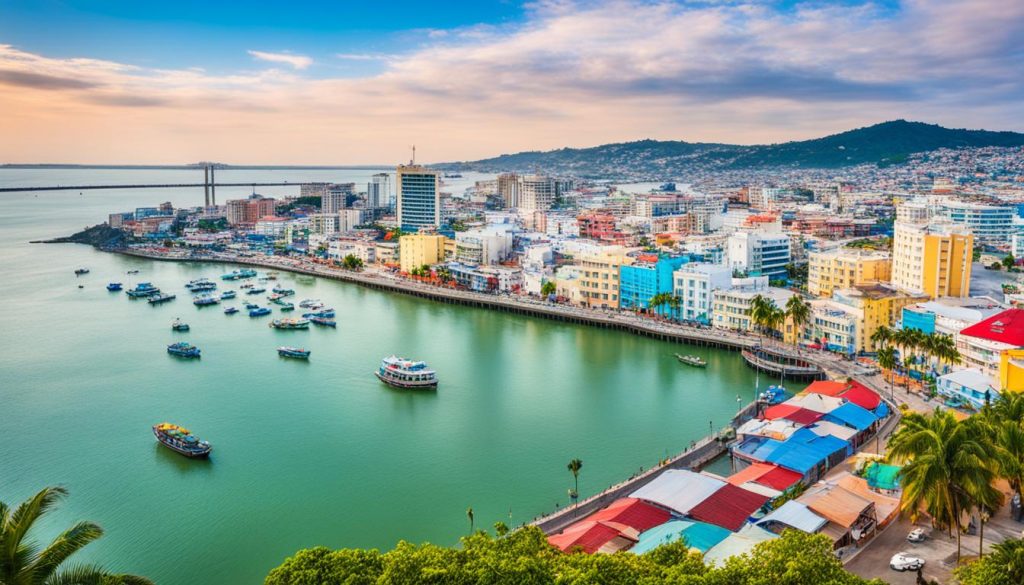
1004 566
351 262
996 266
213 225
1009 261
23 562
310 201
548 288
524 557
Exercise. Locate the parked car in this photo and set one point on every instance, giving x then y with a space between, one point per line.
917 535
902 561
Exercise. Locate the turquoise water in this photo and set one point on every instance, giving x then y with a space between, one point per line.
305 454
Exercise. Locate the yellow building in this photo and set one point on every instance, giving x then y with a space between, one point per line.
416 250
599 277
847 322
932 259
845 267
1011 370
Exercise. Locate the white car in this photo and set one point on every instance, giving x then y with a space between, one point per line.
904 562
917 535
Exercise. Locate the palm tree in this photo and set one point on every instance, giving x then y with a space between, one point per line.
22 563
887 361
469 514
761 309
881 337
674 303
947 468
799 312
548 288
1004 420
574 466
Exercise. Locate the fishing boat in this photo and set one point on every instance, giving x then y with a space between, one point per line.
143 289
247 285
230 310
228 294
284 292
277 300
691 360
81 271
256 290
259 312
179 325
307 303
326 322
402 373
287 307
773 395
293 352
180 440
321 313
271 275
183 349
290 324
251 306
201 284
114 286
204 300
160 298
133 272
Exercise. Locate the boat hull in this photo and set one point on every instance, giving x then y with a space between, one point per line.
406 385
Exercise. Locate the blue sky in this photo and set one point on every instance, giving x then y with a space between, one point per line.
358 82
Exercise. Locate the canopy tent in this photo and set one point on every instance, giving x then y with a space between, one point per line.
805 450
852 416
592 537
883 476
816 402
824 427
738 543
698 535
757 448
862 396
826 387
779 429
679 489
793 514
633 513
729 507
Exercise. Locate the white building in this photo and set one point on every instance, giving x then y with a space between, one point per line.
348 219
323 223
731 307
695 284
537 192
989 222
759 253
969 386
489 245
378 191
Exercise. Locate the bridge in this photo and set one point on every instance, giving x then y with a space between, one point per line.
144 186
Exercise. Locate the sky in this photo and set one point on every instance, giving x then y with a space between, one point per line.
354 82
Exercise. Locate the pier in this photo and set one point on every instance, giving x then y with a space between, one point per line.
782 365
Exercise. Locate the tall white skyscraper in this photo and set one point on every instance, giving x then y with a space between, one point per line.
419 198
378 191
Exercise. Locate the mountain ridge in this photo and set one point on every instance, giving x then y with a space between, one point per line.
882 144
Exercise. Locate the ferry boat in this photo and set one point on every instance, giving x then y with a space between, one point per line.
228 294
160 298
322 313
290 324
114 286
326 322
179 325
293 352
201 284
230 311
180 440
403 373
287 306
239 274
144 289
204 300
692 360
259 312
183 349
81 271
256 290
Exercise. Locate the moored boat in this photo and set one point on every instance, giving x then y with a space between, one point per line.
160 298
251 306
289 324
114 286
326 322
259 312
143 289
81 271
286 306
307 303
180 440
402 373
692 360
200 284
228 294
179 325
183 349
284 292
239 274
230 311
256 290
293 352
204 300
328 313
773 395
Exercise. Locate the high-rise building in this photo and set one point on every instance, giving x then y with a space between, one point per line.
993 223
537 193
313 189
419 197
932 259
760 254
599 277
508 189
335 198
378 191
829 270
250 210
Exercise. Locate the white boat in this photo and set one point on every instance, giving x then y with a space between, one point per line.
402 373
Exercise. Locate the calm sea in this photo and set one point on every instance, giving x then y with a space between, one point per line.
305 454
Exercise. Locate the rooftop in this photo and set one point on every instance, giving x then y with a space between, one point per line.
1006 327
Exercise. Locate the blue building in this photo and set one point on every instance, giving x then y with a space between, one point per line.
419 199
918 317
641 281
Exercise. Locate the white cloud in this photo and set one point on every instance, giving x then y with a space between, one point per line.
297 61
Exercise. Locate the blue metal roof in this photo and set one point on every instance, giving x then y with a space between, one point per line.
852 416
804 450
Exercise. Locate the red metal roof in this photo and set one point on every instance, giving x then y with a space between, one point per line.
826 387
803 416
1006 327
779 478
633 513
750 473
729 507
780 411
588 535
862 396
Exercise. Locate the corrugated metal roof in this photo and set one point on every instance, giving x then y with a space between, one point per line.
795 515
729 507
633 513
737 544
699 535
852 416
679 489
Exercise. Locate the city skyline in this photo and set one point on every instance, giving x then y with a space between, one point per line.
330 85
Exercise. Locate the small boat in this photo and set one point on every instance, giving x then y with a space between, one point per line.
228 294
284 292
293 352
691 360
114 286
259 312
247 285
81 271
287 306
204 300
201 284
322 313
773 395
81 286
239 274
179 325
144 289
251 306
230 311
183 349
256 290
402 373
271 275
289 324
307 303
180 440
160 298
326 322
133 271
